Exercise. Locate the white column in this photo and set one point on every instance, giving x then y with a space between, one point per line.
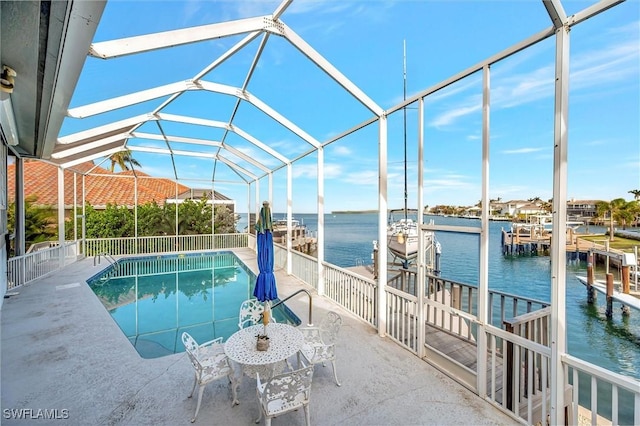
271 190
320 240
74 213
61 213
213 213
135 214
289 215
249 208
84 216
483 287
382 225
421 233
19 236
559 240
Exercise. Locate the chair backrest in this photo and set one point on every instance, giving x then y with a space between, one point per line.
250 313
189 342
192 348
329 327
288 391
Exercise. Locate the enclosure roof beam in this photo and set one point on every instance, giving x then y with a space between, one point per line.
161 40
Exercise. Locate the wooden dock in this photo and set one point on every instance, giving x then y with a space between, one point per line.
577 248
631 300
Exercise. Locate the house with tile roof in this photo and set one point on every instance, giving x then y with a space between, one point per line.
103 187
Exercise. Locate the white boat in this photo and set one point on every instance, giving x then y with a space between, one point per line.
298 229
402 236
403 241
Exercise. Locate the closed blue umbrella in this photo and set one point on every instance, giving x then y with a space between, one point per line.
265 289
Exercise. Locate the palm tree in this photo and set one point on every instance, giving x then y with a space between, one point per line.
121 158
636 194
534 200
616 211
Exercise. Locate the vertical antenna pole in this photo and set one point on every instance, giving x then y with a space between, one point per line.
404 112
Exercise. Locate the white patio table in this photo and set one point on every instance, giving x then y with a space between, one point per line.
284 341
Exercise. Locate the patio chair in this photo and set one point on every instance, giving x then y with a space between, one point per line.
284 393
251 313
210 364
320 341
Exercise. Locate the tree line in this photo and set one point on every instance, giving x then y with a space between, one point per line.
194 217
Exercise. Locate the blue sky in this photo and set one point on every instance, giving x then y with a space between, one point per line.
364 40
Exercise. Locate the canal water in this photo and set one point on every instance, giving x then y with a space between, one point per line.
613 344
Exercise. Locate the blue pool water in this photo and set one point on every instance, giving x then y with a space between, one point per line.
155 299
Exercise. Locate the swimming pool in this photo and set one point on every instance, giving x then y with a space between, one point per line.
154 299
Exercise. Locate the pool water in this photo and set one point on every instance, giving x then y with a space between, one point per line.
154 299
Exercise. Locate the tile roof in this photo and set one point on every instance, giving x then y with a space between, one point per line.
102 187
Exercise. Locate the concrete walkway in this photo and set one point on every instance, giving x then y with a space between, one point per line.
62 351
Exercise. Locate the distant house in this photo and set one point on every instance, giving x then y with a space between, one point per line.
103 187
530 209
510 208
582 208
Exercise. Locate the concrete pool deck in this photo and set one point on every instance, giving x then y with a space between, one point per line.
62 351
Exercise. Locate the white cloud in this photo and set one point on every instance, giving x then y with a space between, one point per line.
364 177
310 171
522 150
453 114
341 150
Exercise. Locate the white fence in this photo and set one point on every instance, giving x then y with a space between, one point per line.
163 244
24 269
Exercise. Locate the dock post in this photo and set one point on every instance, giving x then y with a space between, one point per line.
609 311
591 292
626 284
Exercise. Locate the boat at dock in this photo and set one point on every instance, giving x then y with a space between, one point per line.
403 238
301 238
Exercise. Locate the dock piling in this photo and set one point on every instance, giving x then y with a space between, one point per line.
609 311
591 292
626 283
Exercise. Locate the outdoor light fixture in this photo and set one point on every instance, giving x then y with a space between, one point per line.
7 119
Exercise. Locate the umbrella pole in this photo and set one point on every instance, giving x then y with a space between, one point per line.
266 315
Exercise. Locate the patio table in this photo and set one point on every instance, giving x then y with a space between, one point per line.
284 341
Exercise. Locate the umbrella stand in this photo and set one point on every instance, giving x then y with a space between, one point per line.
263 339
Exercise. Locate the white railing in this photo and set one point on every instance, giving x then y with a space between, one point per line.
598 394
518 378
354 292
305 267
24 269
163 244
402 318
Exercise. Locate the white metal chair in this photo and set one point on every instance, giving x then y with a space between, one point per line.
320 341
284 393
210 364
251 313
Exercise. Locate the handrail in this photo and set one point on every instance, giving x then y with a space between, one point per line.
310 323
106 255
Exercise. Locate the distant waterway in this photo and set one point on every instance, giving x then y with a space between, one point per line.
613 344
